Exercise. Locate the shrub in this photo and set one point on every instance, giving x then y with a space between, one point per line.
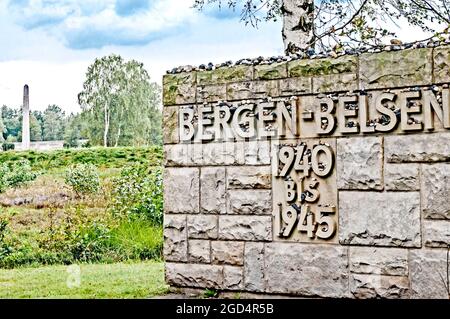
83 178
16 174
8 146
5 249
90 243
138 192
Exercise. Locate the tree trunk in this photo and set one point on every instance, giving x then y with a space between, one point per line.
118 136
106 131
298 25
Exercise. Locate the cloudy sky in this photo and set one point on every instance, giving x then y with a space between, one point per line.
49 44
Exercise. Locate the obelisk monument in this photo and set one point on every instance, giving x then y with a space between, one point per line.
26 119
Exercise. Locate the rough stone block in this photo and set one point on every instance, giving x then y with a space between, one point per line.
203 226
219 153
295 86
227 252
175 238
360 163
252 90
199 251
176 155
212 186
179 88
379 219
417 148
250 202
254 266
181 190
335 83
240 91
211 93
377 286
435 190
225 75
306 270
395 68
428 274
194 275
320 67
170 124
233 277
251 228
264 89
436 233
379 261
256 152
249 177
441 63
271 71
401 177
195 154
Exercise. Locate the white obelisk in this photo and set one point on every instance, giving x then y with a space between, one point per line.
26 119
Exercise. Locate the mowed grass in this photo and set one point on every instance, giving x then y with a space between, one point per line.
121 280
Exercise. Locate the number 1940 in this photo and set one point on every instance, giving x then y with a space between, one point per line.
299 169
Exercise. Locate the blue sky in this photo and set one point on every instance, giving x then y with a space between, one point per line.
50 43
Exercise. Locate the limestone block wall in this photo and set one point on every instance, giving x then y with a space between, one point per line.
315 178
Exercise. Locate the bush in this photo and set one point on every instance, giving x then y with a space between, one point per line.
16 174
5 249
138 193
8 146
83 178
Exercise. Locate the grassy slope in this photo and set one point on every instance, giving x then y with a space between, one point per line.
99 156
133 280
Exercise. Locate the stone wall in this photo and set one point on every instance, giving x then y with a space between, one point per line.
316 178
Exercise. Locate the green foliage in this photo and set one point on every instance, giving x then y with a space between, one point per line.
137 239
89 243
120 105
8 146
83 178
73 132
12 121
53 123
5 249
48 125
15 174
210 293
2 129
35 129
101 157
346 24
86 229
138 192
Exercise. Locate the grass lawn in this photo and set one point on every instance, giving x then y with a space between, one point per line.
121 280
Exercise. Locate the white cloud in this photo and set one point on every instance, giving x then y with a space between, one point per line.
55 73
89 24
50 83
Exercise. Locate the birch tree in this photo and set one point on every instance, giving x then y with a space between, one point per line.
119 102
327 25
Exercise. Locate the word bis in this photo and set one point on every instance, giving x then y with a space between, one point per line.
300 170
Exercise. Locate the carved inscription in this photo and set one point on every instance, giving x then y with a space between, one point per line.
397 111
304 190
